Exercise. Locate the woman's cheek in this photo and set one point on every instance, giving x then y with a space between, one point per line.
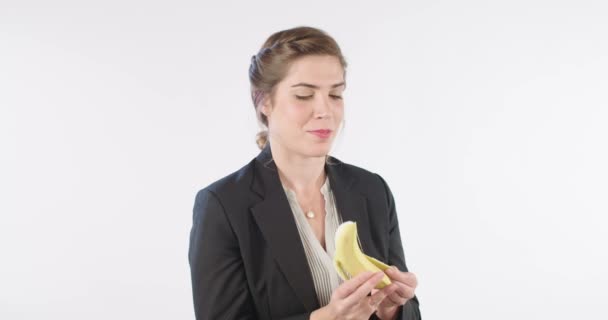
299 110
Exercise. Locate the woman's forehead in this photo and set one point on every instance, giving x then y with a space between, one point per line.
314 72
316 86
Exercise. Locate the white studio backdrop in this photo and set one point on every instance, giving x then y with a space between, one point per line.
487 119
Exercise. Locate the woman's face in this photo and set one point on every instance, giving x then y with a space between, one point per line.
307 100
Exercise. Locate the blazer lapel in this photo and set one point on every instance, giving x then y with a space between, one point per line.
275 219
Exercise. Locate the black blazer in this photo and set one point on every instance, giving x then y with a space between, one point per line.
246 257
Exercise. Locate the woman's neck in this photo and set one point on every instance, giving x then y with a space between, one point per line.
300 173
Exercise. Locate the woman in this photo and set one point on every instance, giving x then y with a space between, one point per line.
262 239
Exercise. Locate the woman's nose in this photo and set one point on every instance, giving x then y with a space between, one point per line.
322 108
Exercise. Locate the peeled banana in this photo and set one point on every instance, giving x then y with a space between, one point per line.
349 259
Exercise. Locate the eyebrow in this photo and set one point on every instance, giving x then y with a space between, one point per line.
302 84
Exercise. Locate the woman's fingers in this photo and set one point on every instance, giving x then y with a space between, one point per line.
405 284
393 300
392 297
351 298
401 294
380 295
388 303
364 289
354 298
404 277
351 285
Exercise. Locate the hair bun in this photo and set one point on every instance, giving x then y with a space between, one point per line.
262 138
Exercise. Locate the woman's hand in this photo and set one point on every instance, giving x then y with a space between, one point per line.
350 301
404 284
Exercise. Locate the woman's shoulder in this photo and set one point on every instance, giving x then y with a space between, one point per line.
236 181
366 180
351 168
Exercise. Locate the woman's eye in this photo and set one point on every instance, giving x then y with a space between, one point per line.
308 97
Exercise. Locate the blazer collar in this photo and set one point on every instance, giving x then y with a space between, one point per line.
275 219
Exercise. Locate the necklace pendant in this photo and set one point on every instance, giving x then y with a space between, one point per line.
310 214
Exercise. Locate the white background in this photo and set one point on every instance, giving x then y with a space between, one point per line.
486 118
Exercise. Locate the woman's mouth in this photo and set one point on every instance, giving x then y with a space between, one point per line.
321 133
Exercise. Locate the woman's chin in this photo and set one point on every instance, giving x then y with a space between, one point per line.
318 150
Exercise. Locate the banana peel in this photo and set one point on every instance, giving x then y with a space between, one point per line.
349 260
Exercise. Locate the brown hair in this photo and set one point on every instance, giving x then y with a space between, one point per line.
270 65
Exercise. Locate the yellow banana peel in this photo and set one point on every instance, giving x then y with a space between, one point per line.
349 259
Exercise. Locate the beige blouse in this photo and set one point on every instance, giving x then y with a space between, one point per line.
325 277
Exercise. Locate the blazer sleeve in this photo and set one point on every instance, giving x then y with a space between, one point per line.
410 310
219 284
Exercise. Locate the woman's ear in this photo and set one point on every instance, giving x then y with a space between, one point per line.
266 108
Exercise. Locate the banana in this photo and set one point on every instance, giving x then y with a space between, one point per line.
349 260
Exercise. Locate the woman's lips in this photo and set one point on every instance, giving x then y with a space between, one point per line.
323 133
